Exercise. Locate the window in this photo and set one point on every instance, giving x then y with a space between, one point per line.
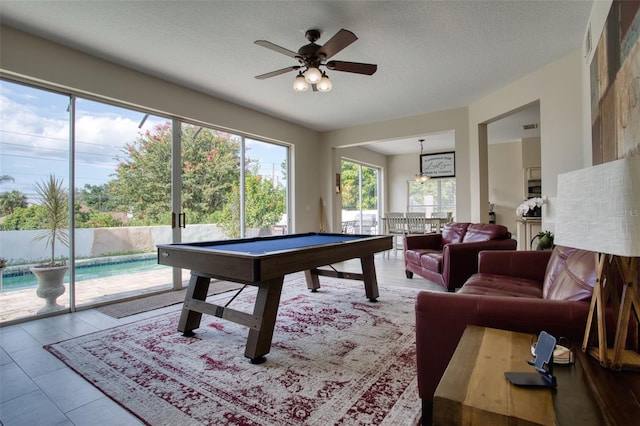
120 168
360 186
433 196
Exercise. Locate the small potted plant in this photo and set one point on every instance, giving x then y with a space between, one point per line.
545 240
50 274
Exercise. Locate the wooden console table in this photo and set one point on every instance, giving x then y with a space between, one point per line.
474 390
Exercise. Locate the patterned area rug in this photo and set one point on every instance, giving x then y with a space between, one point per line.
336 359
156 301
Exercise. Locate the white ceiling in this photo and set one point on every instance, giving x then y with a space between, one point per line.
431 55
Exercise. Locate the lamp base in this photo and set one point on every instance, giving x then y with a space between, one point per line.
628 360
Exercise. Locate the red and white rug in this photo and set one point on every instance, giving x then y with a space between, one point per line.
336 359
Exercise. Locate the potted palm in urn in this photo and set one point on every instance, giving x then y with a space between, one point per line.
50 274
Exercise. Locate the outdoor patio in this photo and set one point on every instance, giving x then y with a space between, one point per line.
22 304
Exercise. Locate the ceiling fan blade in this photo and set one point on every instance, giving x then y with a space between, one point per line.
355 67
276 48
339 41
277 72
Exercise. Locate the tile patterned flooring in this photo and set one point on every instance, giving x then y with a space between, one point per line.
38 389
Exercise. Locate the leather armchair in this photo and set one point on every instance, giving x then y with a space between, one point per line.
451 257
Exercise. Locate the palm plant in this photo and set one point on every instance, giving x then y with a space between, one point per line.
55 202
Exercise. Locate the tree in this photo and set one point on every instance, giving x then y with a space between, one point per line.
98 198
142 183
351 176
265 203
12 200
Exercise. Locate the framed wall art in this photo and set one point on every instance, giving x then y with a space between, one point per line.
440 165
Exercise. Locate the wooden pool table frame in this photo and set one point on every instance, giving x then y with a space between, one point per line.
265 271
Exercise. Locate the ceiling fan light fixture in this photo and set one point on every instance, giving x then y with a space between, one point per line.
312 75
324 85
300 84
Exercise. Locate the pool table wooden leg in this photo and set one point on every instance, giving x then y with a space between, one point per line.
369 278
266 308
198 289
313 282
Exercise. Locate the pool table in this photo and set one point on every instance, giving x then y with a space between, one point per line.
263 262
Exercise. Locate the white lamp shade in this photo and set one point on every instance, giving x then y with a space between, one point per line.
312 75
324 85
300 84
598 208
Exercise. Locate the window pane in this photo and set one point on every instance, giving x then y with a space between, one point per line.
34 147
123 187
210 183
265 182
436 196
359 190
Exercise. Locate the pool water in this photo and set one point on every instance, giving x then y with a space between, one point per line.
21 280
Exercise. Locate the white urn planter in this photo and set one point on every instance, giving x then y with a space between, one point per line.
50 285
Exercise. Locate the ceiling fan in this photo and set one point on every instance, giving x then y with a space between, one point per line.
313 56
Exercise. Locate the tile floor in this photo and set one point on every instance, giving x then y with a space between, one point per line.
38 389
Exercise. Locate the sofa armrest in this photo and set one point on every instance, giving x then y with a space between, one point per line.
442 317
426 241
460 260
522 264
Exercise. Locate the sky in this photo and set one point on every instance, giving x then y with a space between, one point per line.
34 138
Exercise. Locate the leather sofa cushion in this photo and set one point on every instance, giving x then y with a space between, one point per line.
570 274
454 232
485 232
432 261
501 285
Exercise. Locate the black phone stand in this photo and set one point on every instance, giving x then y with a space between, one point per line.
543 363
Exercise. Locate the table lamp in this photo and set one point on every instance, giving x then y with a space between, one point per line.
598 209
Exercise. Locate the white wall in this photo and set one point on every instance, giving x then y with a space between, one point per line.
29 58
559 88
99 242
506 181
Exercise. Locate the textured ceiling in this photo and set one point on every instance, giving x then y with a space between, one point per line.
431 55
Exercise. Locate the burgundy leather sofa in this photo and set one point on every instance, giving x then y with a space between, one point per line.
451 257
524 291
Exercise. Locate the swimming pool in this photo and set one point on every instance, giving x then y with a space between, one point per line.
91 270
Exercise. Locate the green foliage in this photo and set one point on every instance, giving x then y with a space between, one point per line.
10 201
141 186
210 162
97 198
264 205
351 176
32 217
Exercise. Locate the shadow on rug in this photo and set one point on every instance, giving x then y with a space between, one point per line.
336 358
157 301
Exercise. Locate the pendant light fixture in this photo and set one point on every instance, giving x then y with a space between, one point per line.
421 177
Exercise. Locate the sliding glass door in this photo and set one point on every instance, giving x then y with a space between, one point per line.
34 151
122 177
360 186
127 181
